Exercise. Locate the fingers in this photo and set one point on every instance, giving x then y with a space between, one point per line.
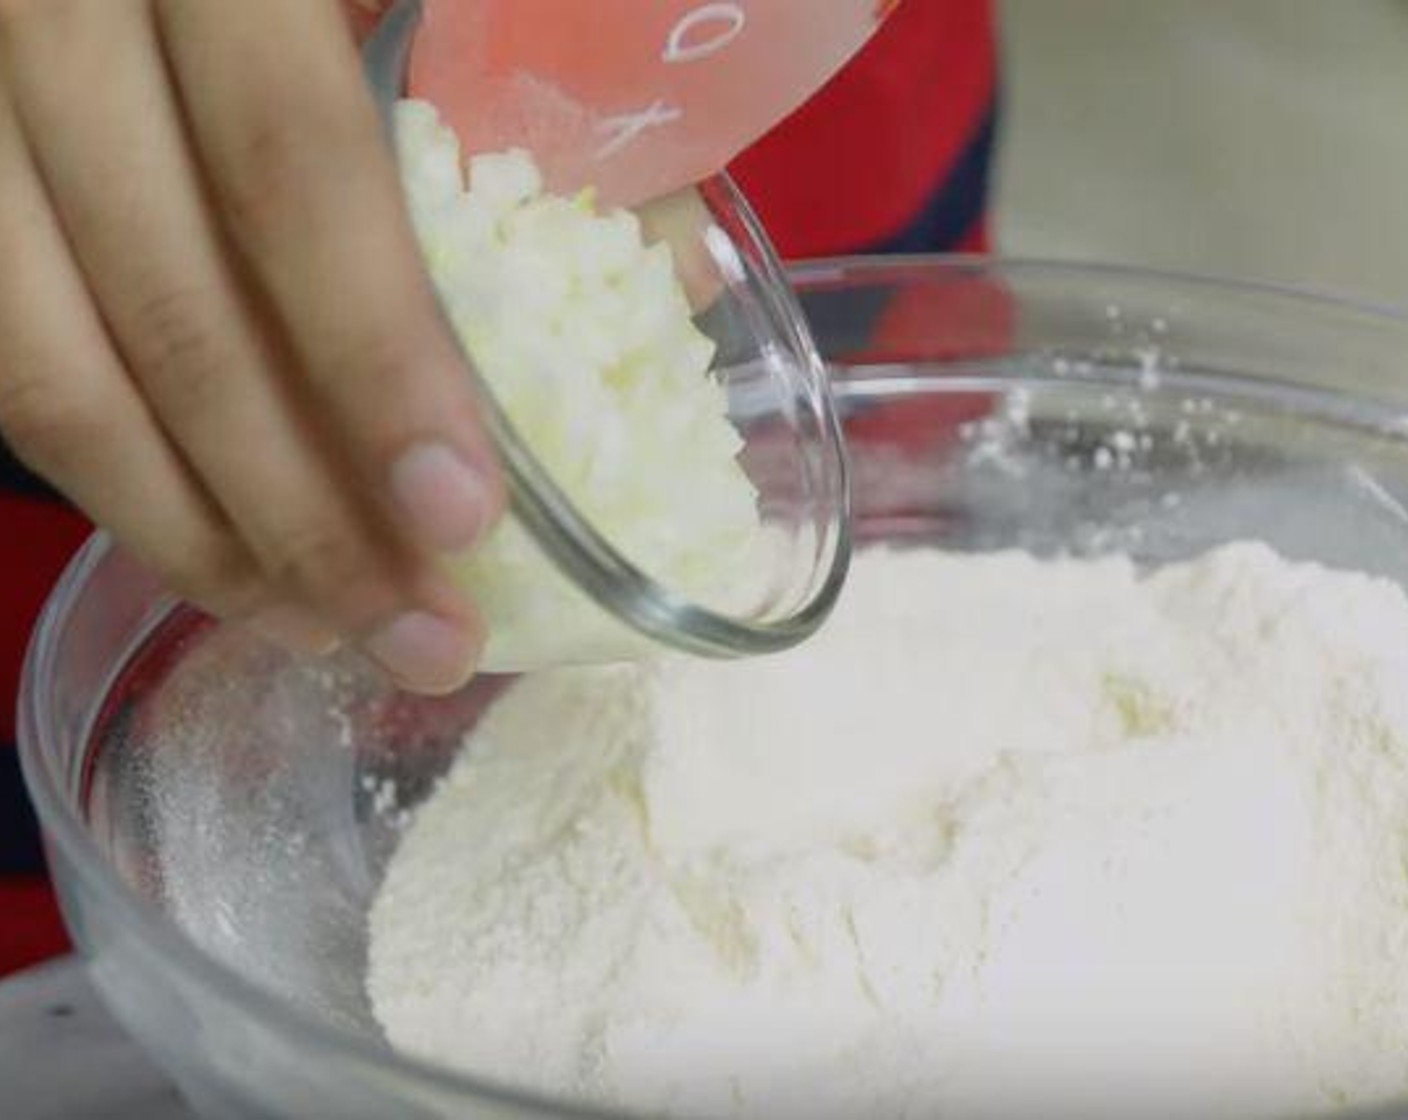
267 396
683 220
306 185
129 199
68 410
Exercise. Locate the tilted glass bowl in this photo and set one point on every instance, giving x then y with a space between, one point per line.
759 600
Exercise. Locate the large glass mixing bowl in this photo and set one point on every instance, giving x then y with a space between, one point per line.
217 816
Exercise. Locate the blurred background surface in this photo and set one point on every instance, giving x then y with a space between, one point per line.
1265 139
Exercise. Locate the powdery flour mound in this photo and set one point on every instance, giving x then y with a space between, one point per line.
1009 837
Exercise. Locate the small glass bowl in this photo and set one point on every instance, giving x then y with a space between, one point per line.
779 400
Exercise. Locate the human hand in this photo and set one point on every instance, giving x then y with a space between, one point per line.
216 333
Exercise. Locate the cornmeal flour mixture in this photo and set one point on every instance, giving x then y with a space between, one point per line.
1009 837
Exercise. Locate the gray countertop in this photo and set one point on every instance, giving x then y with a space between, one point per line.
62 1057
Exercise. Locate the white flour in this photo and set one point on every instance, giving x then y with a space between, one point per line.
1010 837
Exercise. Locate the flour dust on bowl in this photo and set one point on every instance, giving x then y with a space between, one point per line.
1089 799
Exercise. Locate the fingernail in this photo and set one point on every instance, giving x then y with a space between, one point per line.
445 498
424 653
294 628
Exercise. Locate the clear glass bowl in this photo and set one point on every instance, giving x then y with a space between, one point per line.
599 597
218 816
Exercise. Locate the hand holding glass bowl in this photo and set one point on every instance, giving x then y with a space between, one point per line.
217 338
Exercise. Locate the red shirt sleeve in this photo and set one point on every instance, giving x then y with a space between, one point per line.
906 127
37 537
